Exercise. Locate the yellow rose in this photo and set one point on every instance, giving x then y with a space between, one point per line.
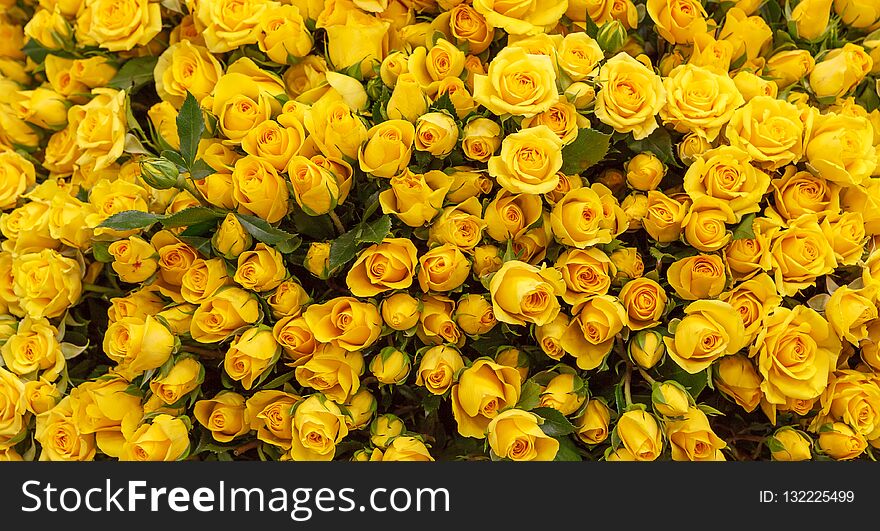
408 100
443 268
799 255
436 133
549 337
644 301
17 175
345 322
459 225
481 139
846 233
332 371
664 217
42 107
274 143
388 148
790 444
630 97
289 298
251 356
483 390
736 377
400 311
841 442
438 368
335 128
186 67
529 294
283 34
318 426
358 39
224 416
13 415
524 18
788 67
562 118
100 127
185 376
585 272
579 56
849 312
753 300
864 200
726 174
269 413
699 100
49 28
810 18
709 330
415 198
60 437
230 238
469 26
841 148
528 161
517 83
390 366
705 226
592 425
678 21
430 66
770 130
509 216
34 347
748 34
138 345
565 393
692 438
644 172
751 85
224 312
859 14
591 333
474 315
239 105
134 259
260 270
797 351
296 340
406 448
640 435
118 25
165 438
691 146
40 396
628 262
697 277
516 435
225 25
46 283
852 397
646 348
839 71
259 189
203 279
587 216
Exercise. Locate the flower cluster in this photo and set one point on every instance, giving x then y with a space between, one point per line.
383 230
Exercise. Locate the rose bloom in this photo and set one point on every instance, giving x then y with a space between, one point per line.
526 18
699 100
710 329
522 293
483 389
515 434
770 130
517 83
630 97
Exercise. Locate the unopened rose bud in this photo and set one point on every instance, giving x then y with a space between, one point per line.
160 173
670 399
646 348
611 37
318 259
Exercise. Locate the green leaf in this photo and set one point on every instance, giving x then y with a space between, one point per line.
744 230
261 230
100 252
316 227
130 220
134 74
200 169
567 449
190 126
443 103
530 396
694 383
191 216
175 157
555 424
659 143
376 231
343 249
36 51
588 148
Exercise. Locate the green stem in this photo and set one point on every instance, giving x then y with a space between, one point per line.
627 384
340 228
101 289
647 376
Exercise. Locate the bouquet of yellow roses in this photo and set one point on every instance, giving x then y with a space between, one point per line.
381 230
